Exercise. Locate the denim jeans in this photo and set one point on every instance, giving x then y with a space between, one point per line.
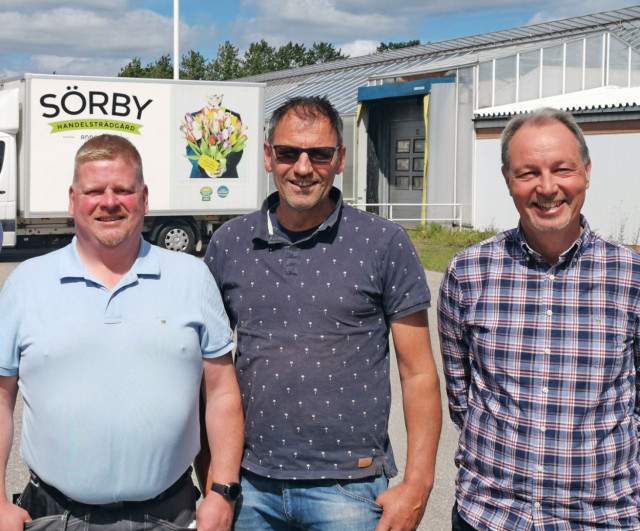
51 513
328 504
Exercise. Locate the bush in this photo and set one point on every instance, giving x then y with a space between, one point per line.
437 244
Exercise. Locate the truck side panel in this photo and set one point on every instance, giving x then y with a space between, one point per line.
161 118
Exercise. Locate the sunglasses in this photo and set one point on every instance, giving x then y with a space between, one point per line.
317 155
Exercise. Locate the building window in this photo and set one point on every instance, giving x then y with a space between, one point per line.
593 77
552 59
505 82
485 84
635 68
573 66
402 182
529 76
403 146
618 63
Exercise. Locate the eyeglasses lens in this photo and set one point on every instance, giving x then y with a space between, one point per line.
291 154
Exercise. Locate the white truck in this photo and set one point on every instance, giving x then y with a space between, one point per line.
200 142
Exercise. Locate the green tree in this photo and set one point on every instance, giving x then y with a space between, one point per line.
258 59
324 52
161 69
384 46
195 66
291 55
227 64
133 69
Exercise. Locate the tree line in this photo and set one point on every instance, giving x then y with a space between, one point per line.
259 58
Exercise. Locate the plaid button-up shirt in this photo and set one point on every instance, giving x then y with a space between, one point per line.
540 365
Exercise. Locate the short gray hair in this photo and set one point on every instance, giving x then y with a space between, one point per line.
541 117
307 108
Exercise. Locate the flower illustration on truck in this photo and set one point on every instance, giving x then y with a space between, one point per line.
215 139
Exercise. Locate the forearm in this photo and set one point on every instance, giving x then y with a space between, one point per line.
403 505
225 431
225 435
423 419
12 517
8 393
223 418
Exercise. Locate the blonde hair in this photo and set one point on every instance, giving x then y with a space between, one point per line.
108 147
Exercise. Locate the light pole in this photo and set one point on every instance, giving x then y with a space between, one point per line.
176 39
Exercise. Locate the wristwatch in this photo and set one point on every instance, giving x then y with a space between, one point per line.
231 491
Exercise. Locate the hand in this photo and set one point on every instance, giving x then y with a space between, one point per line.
214 514
12 517
403 507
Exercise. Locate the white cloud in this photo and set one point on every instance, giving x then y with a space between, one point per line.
92 38
101 36
280 21
358 48
576 8
35 6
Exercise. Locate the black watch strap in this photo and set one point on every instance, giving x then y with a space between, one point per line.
231 491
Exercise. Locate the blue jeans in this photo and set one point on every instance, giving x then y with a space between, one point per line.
327 504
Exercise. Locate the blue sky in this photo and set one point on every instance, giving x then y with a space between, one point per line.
99 37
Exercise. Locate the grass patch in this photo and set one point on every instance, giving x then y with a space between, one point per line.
437 244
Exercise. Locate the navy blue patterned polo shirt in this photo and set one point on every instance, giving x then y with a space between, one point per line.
312 321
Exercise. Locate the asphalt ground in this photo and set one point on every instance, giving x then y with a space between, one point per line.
438 514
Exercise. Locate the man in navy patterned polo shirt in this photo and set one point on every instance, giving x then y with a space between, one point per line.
314 287
540 337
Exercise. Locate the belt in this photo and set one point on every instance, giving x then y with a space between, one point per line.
66 502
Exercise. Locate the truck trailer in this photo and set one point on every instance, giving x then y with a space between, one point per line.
201 145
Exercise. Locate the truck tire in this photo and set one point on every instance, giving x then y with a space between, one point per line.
177 237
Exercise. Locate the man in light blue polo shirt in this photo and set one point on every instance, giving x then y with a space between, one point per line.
108 336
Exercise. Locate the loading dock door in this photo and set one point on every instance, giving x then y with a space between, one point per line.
406 170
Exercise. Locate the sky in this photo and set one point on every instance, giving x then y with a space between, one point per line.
99 37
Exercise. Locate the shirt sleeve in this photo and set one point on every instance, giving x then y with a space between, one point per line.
216 337
454 347
404 288
636 354
9 351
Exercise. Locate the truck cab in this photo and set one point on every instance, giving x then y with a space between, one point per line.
9 123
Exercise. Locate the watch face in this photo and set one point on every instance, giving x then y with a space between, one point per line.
233 491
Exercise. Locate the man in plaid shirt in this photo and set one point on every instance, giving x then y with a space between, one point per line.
540 336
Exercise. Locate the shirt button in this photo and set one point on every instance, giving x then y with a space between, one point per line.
549 312
552 277
545 390
547 351
537 505
543 429
540 468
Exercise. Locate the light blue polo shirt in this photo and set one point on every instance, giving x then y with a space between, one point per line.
110 379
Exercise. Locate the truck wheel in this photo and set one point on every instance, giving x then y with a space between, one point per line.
177 237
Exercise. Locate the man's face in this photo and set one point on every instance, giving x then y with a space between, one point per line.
304 187
547 179
108 203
